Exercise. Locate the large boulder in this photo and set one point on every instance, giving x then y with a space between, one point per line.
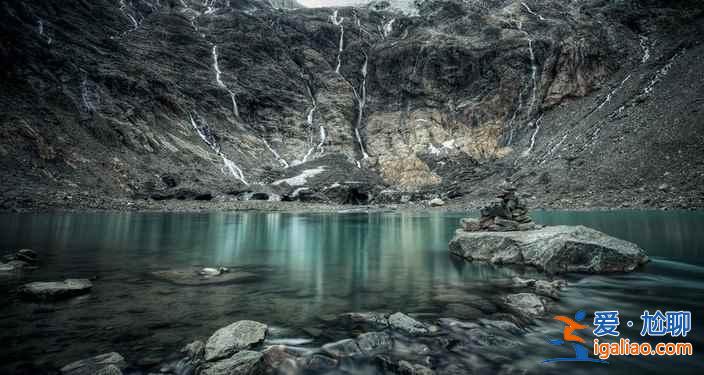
555 249
238 336
54 290
109 363
245 362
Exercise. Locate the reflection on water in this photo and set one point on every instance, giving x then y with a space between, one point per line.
310 266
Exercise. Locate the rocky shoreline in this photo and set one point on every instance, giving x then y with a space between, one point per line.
381 342
579 203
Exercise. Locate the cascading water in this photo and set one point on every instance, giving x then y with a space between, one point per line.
338 22
361 103
310 122
227 163
87 96
532 12
613 92
661 73
42 32
644 46
221 84
533 75
388 28
532 138
126 13
278 157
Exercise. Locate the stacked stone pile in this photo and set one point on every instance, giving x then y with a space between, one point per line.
506 213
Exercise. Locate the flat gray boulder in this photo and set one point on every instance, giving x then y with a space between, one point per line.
109 363
243 363
553 249
54 290
238 336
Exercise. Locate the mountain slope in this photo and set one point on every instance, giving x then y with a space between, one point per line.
135 99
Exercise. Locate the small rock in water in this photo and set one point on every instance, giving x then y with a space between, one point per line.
245 362
527 305
195 350
203 276
342 348
408 325
373 343
27 255
94 365
240 335
318 362
364 320
437 202
55 289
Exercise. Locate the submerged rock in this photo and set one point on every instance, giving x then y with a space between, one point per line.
240 335
55 289
104 364
555 249
527 305
342 348
243 363
364 320
372 343
194 276
408 325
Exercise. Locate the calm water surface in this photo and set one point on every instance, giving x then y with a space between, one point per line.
310 267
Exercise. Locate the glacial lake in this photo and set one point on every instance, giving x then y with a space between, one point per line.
310 267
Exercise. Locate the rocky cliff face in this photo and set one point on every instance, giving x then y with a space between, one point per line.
139 98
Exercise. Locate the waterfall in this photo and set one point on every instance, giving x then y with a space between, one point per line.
361 102
531 11
338 22
227 163
612 92
123 9
221 84
645 48
278 157
86 96
310 122
388 28
41 31
660 74
533 75
532 138
511 122
209 4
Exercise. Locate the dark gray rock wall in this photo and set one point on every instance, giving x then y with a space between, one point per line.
109 97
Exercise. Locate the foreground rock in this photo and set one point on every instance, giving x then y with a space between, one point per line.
21 260
242 363
238 336
555 249
55 289
194 276
109 363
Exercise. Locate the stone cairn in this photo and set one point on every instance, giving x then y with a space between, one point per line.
506 213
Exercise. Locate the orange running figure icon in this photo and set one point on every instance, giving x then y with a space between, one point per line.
581 354
570 327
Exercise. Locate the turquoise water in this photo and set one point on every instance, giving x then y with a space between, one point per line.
309 267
